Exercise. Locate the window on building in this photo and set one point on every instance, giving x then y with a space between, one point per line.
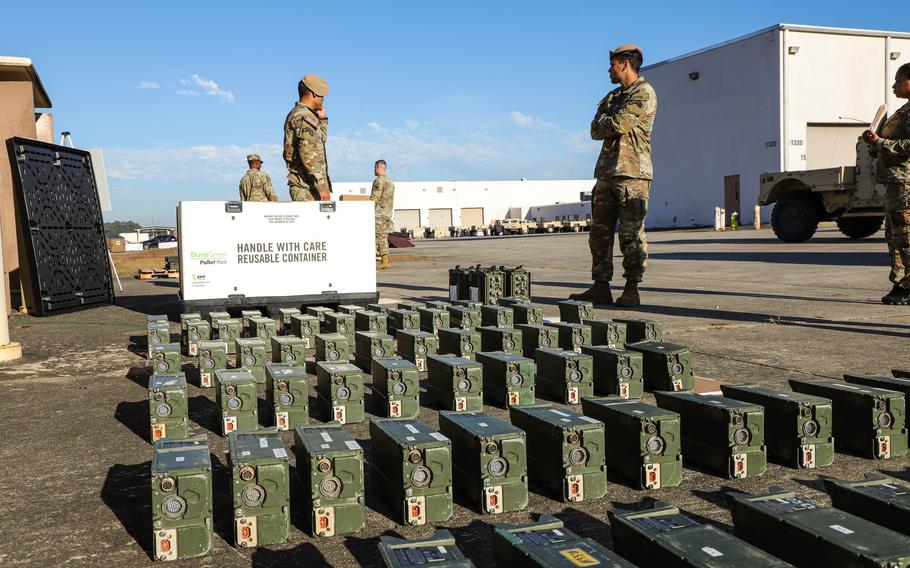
576 216
363 191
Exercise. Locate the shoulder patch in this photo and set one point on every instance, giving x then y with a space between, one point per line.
310 119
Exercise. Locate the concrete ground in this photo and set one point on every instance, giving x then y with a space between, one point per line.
74 455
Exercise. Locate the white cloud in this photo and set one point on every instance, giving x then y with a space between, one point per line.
425 153
526 121
411 124
208 86
148 85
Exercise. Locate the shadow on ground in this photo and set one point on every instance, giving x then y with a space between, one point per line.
126 493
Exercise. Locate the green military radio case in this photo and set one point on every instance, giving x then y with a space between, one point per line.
166 359
432 319
868 421
508 379
252 355
439 551
575 311
644 442
371 321
342 324
565 451
455 383
264 329
181 484
490 460
534 337
465 317
212 357
287 390
616 371
237 400
456 341
507 339
566 376
289 349
572 336
497 316
396 387
306 327
875 498
261 488
798 427
667 366
416 346
642 329
528 314
548 544
606 332
369 344
721 433
804 534
339 387
662 535
168 407
412 464
333 348
329 464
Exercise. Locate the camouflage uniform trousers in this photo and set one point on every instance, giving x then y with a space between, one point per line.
383 228
623 200
300 189
897 231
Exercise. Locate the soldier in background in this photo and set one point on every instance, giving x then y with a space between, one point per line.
305 132
256 185
891 145
382 195
623 121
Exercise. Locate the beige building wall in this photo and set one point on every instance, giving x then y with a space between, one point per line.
17 118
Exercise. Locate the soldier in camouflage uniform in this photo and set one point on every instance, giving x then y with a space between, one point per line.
305 132
382 195
256 185
623 121
891 144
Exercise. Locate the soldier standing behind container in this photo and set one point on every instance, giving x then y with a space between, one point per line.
382 195
256 185
892 147
305 132
623 121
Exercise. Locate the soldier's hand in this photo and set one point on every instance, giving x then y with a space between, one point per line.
870 137
324 195
320 112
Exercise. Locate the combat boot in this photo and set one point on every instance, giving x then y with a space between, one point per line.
630 297
892 295
384 262
598 293
901 297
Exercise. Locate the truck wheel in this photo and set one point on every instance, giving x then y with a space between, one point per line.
859 227
795 217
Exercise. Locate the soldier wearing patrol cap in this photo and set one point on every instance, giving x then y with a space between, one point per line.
256 185
305 131
623 121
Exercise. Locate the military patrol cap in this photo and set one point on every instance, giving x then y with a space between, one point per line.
626 47
316 84
253 157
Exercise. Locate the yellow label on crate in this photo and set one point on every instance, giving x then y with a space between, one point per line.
579 557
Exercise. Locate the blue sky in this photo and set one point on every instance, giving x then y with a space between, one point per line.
178 93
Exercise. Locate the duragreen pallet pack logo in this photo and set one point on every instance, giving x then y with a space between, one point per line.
209 257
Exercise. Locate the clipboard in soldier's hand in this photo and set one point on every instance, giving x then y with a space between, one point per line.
879 119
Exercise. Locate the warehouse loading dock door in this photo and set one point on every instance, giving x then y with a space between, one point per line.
472 216
831 145
440 218
406 218
731 196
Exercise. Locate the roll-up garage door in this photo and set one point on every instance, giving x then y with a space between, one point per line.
472 216
440 218
406 218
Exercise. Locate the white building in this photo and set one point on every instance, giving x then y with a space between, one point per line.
471 203
783 98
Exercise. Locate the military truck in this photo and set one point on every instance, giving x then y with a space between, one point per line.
847 195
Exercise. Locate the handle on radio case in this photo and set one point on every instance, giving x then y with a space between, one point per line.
326 206
233 206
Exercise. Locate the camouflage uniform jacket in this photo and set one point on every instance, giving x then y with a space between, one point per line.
256 185
304 148
382 194
623 121
893 164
